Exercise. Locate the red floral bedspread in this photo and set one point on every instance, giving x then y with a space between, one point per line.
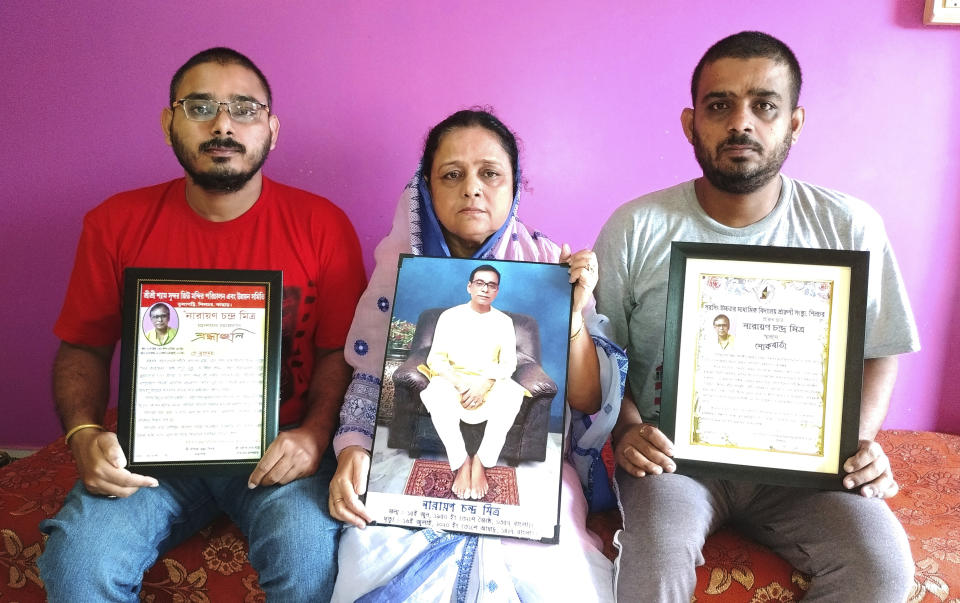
212 565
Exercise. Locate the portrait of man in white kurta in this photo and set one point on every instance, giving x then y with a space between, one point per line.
471 361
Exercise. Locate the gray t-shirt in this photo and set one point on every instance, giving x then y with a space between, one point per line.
634 254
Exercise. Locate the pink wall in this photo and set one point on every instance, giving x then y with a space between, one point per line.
595 94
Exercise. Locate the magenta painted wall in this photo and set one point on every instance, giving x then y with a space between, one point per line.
594 90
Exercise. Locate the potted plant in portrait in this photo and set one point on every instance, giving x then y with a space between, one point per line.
400 338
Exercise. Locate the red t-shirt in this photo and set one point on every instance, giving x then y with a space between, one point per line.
307 237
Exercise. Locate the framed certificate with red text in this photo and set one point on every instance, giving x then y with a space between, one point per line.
763 361
199 369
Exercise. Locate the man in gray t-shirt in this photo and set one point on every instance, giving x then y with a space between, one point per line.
743 122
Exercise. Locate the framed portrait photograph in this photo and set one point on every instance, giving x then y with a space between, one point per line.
763 362
470 423
199 369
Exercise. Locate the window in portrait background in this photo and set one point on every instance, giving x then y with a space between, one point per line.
199 372
411 482
763 361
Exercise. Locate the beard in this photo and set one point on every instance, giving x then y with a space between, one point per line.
740 179
220 178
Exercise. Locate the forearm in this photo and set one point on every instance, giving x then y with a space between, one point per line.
357 414
583 370
81 383
629 415
445 369
879 375
331 375
438 360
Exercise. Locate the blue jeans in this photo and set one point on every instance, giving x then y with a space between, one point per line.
99 548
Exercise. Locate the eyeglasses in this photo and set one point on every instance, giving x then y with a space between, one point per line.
480 284
241 111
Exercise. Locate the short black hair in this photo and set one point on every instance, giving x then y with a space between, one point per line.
485 268
158 305
222 56
723 316
468 118
751 45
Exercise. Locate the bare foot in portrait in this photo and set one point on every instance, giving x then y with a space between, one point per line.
478 479
461 483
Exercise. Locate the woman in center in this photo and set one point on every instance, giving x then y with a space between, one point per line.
462 202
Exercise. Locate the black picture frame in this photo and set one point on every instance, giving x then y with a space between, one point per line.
750 414
204 400
538 298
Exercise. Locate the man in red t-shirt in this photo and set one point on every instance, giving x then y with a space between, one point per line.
223 214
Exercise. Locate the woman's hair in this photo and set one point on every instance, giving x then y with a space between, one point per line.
469 118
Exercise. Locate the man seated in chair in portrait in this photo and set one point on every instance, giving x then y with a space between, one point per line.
471 361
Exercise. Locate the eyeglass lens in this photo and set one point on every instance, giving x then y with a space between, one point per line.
197 109
480 284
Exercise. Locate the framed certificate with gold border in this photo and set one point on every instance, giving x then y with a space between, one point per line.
199 369
763 361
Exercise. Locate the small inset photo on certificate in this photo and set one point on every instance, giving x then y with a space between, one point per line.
469 433
160 324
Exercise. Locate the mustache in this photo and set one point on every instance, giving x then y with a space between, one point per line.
222 143
739 141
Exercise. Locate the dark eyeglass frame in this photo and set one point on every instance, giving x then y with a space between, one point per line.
480 284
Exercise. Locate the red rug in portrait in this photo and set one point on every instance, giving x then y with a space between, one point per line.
434 478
